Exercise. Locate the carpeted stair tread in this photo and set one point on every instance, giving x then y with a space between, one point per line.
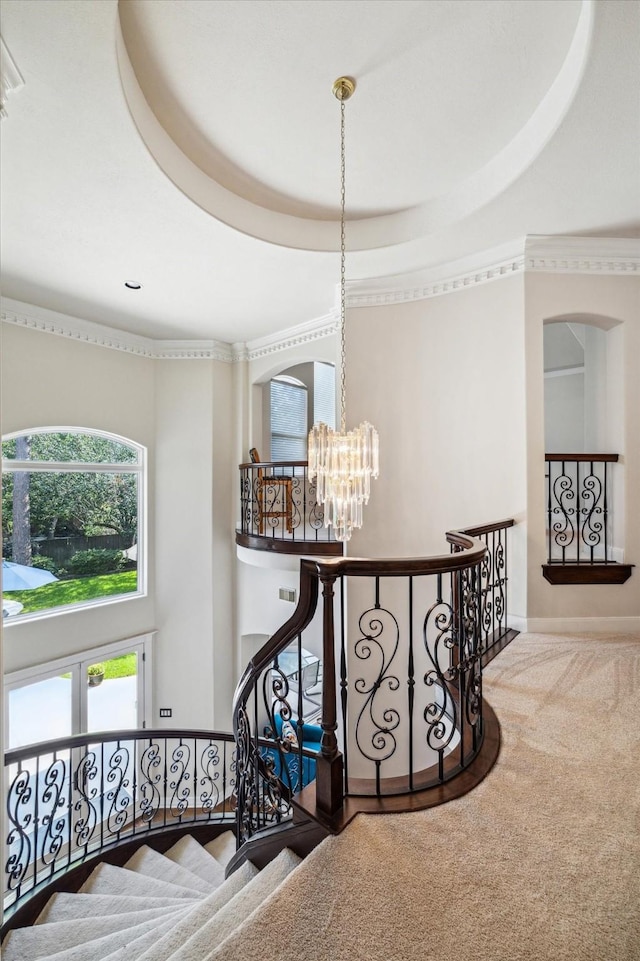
36 942
94 950
152 864
192 856
189 923
213 932
223 847
109 879
65 906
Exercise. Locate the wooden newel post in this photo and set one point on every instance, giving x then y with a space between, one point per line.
329 766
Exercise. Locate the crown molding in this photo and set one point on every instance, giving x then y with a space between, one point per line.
574 255
99 335
291 337
479 268
10 77
583 255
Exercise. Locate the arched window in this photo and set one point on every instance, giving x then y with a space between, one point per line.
72 508
299 397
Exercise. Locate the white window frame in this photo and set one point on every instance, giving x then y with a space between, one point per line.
139 468
77 664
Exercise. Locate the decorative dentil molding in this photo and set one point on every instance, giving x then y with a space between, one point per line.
576 255
10 77
291 337
99 335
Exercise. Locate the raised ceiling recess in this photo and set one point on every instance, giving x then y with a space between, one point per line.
257 150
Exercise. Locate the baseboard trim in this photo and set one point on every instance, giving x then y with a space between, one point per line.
583 625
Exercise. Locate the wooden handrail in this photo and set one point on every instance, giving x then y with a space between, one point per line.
597 458
73 741
274 463
468 553
488 528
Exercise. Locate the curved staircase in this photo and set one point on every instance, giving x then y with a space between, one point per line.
175 906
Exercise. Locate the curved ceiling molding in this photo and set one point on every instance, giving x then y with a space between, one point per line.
388 230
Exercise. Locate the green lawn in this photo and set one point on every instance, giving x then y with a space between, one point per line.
123 666
59 593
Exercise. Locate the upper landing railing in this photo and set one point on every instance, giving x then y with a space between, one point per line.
279 511
580 544
400 708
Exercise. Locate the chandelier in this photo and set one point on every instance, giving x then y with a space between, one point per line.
343 461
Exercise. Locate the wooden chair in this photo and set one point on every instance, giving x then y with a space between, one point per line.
271 481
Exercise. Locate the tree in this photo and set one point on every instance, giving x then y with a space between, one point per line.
21 542
78 502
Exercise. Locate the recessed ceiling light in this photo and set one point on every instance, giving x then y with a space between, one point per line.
132 285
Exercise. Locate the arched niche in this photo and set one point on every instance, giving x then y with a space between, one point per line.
583 390
584 400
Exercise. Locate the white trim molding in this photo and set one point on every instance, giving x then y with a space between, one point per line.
583 625
563 255
10 77
292 337
581 255
480 268
99 335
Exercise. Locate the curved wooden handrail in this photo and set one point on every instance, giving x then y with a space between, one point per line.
15 755
482 529
471 551
301 617
596 458
273 463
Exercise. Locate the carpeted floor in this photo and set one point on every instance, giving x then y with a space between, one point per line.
540 863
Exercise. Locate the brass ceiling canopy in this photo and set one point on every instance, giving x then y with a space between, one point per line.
343 88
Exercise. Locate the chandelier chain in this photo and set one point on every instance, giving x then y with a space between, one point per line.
343 366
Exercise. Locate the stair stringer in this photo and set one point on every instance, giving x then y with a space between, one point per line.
301 836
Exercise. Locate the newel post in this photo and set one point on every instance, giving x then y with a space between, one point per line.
329 766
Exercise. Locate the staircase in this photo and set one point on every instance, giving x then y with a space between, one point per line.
175 906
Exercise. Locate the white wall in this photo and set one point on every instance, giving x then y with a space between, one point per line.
614 303
443 381
55 381
564 413
183 412
194 591
258 610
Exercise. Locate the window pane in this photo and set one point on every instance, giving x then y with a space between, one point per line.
112 695
67 446
68 538
288 421
40 711
324 394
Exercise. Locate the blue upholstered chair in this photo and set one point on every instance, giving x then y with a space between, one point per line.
311 737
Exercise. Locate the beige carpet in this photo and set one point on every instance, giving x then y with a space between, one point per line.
540 862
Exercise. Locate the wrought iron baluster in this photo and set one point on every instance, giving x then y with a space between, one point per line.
606 513
300 722
410 684
458 637
344 690
549 529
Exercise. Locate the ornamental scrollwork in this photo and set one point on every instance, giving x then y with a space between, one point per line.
376 722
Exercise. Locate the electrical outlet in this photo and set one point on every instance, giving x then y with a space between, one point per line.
287 594
166 712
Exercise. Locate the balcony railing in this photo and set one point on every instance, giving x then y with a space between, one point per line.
71 799
404 642
279 511
579 520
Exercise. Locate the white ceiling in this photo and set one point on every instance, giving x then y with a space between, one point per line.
193 146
